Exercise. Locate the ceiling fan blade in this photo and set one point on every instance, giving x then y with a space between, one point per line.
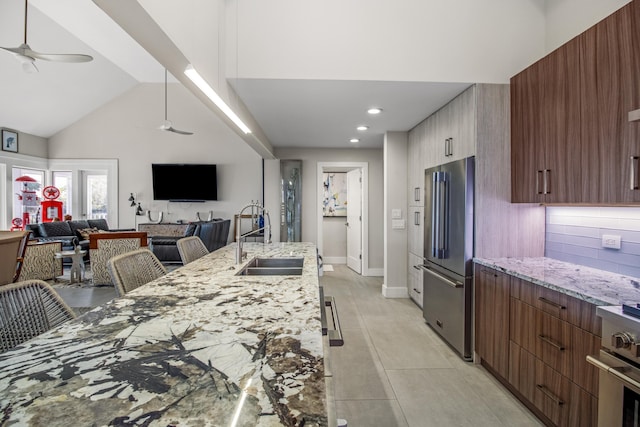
181 132
168 127
60 57
14 50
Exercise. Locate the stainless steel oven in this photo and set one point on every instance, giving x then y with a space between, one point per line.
619 367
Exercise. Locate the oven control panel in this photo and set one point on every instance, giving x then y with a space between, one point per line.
625 341
620 332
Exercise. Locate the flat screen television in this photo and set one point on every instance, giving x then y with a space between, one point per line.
184 182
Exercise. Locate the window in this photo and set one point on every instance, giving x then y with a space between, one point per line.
27 190
63 182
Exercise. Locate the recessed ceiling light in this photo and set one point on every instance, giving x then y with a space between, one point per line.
362 128
374 110
354 140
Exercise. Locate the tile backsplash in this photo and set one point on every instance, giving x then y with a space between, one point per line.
574 234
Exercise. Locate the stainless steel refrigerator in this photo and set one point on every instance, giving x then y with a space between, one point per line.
448 252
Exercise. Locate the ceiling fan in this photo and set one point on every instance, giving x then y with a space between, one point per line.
167 125
27 56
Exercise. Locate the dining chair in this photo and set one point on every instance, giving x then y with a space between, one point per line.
134 269
28 309
13 244
190 249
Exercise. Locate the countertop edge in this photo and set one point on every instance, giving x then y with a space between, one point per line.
584 295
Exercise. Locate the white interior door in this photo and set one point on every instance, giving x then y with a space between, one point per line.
354 220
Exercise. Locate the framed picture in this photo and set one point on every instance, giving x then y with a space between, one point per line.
335 194
9 141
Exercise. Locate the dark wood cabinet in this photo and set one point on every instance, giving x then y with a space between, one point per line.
548 348
492 318
535 340
571 138
545 144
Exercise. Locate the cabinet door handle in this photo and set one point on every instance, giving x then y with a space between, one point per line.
634 173
547 181
416 194
417 267
416 218
543 388
416 291
551 303
551 342
539 174
451 146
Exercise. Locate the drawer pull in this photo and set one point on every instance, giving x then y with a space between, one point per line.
416 291
550 395
551 343
554 304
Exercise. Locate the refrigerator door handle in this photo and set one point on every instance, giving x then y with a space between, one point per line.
444 222
443 278
434 214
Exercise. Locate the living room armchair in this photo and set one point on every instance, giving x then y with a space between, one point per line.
104 246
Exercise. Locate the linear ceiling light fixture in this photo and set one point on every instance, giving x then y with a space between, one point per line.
213 96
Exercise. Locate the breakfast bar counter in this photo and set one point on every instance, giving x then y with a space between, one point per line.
197 347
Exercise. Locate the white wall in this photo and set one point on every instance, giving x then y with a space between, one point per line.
310 159
126 129
405 40
395 197
29 145
334 239
568 18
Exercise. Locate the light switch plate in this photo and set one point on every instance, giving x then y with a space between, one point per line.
610 241
398 224
396 213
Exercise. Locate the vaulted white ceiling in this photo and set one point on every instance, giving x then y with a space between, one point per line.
44 103
321 111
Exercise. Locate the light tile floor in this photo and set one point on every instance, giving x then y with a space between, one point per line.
393 370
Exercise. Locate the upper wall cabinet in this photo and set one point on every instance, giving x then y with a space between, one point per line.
571 141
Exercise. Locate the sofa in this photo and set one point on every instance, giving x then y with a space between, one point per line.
214 234
70 233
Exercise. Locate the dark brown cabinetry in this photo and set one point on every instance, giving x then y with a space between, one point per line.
545 107
571 138
492 318
536 341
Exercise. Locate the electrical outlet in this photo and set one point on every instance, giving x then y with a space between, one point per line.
396 214
610 241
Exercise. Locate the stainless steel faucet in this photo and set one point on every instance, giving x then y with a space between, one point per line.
266 228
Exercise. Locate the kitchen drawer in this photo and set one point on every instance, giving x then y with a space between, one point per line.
415 278
563 402
573 310
562 346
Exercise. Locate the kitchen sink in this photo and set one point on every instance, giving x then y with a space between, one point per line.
273 267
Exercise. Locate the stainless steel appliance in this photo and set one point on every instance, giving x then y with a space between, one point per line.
448 252
619 364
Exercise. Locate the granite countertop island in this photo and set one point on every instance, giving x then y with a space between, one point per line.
588 284
197 347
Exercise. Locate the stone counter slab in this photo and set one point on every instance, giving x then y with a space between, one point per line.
588 284
187 349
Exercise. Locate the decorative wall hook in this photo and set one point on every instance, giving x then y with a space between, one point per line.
154 221
209 217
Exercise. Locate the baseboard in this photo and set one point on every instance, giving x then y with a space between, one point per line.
374 272
334 259
395 291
